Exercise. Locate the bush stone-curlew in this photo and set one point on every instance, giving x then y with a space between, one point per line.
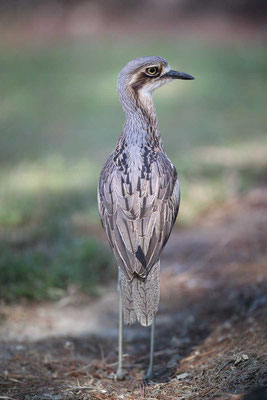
138 195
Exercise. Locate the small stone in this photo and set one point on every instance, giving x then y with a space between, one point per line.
69 346
19 347
182 376
240 358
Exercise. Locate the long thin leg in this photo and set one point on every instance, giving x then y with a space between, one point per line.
149 373
120 373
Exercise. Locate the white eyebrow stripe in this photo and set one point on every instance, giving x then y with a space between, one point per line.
165 69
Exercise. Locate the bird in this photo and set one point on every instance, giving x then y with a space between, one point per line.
139 196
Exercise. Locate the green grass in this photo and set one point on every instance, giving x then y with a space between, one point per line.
60 118
47 270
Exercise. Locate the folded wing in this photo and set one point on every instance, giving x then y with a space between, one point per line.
138 208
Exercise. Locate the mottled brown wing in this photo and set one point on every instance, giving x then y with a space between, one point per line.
138 210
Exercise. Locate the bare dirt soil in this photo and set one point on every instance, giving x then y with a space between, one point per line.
210 329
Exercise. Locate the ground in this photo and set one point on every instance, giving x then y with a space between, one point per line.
209 330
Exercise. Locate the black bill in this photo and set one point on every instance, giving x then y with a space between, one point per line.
179 75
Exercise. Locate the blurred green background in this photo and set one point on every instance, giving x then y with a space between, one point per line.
60 118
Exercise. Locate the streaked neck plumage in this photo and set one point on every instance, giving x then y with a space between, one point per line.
141 123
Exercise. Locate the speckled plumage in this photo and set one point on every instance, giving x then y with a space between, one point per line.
138 193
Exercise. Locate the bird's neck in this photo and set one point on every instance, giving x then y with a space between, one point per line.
141 122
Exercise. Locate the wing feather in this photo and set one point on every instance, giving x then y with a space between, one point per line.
138 210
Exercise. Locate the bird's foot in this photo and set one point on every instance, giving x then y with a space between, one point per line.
120 374
149 375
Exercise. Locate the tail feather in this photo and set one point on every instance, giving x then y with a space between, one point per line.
140 298
127 300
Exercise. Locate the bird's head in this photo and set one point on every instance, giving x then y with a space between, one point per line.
141 76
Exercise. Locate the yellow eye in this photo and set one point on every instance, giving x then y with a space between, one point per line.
152 71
